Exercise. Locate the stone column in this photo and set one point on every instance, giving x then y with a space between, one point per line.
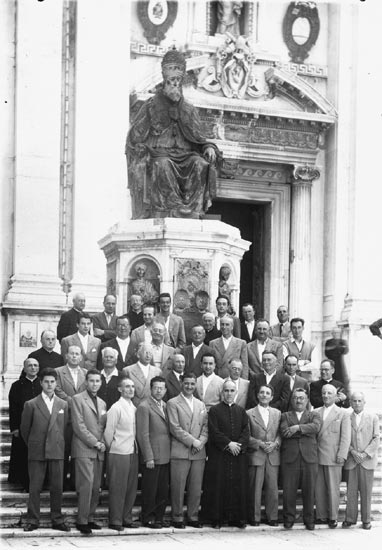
300 242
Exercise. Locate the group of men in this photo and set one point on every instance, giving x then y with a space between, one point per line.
222 418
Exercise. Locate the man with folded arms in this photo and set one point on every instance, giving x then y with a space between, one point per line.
299 458
153 437
43 424
122 459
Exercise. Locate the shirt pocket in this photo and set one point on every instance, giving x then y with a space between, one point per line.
335 426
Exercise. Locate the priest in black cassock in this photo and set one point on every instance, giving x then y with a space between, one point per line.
224 499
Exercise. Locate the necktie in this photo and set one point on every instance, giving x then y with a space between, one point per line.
281 328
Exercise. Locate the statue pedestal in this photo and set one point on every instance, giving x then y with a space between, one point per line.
182 256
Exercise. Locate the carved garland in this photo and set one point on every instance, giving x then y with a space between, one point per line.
156 18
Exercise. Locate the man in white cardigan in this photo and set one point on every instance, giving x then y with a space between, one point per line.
122 460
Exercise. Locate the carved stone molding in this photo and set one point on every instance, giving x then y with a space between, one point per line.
305 174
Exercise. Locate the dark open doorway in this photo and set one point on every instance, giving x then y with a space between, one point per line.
250 219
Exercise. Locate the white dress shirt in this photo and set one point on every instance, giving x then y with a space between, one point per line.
226 342
264 411
48 401
123 345
196 349
144 368
84 341
74 375
327 411
190 402
114 372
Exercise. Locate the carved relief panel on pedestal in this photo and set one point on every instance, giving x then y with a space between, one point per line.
143 280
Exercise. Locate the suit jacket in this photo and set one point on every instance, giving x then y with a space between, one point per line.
89 355
194 365
236 325
281 390
166 364
334 436
88 425
255 360
242 393
65 388
99 321
138 336
176 331
153 432
303 442
67 324
43 432
142 384
122 362
364 438
299 382
173 385
316 393
259 433
280 336
213 393
186 427
245 334
237 349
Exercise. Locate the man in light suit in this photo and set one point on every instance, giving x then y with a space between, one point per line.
271 377
122 343
295 381
260 344
209 386
143 332
222 306
333 447
189 433
153 435
88 344
70 381
281 330
174 323
235 369
264 457
122 460
88 414
162 353
227 347
43 424
173 379
105 323
69 320
361 462
194 352
142 372
248 325
299 458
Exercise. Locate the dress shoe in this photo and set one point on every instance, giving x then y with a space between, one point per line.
254 523
240 524
166 524
178 525
84 528
132 524
61 527
346 524
288 525
115 527
30 527
215 524
195 523
332 523
321 522
273 523
152 524
310 526
366 525
94 525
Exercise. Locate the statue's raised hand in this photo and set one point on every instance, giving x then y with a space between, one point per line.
209 154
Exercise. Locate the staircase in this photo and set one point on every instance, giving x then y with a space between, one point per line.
13 504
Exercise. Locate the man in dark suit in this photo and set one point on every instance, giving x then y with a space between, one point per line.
67 324
222 307
153 437
43 424
326 371
109 391
248 325
295 381
299 459
270 377
262 343
281 330
105 323
174 323
88 449
88 344
173 380
122 343
194 353
209 326
135 313
46 357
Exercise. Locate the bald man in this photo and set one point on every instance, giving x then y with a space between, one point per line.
69 320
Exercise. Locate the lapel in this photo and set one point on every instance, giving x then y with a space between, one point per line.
138 374
53 416
78 343
90 403
174 381
156 409
256 348
68 377
329 419
183 405
258 418
43 408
